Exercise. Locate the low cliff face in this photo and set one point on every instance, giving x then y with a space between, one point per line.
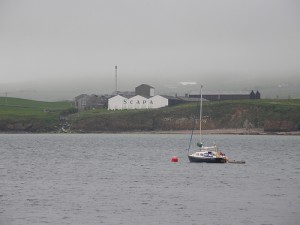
171 124
280 126
150 124
222 115
272 116
111 125
32 126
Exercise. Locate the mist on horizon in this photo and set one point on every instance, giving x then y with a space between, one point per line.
63 90
56 50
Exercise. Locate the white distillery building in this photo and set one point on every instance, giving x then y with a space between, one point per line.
117 102
137 102
157 102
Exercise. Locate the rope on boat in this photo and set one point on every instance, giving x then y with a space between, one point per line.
191 138
194 122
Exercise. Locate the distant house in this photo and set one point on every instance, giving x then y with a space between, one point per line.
218 96
81 101
257 95
144 90
96 101
85 102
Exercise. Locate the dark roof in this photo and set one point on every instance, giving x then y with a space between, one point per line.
80 96
187 99
170 97
145 85
221 93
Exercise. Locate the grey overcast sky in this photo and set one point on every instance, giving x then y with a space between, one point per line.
57 49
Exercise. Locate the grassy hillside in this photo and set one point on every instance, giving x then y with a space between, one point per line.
36 116
23 108
256 112
22 114
222 114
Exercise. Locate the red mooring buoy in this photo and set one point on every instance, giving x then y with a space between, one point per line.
174 159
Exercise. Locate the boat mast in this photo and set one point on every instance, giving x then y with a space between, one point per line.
200 122
200 118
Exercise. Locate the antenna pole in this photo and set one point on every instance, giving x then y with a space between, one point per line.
116 78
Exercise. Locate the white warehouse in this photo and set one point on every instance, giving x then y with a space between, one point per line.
117 102
137 102
144 99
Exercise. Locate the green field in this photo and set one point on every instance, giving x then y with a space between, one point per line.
281 108
37 116
16 108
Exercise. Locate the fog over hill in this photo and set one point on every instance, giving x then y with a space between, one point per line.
54 50
54 90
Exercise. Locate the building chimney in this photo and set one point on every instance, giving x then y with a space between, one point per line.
116 79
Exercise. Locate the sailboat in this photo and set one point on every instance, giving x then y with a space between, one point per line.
205 154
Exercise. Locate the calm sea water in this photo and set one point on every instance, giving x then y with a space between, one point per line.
129 179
